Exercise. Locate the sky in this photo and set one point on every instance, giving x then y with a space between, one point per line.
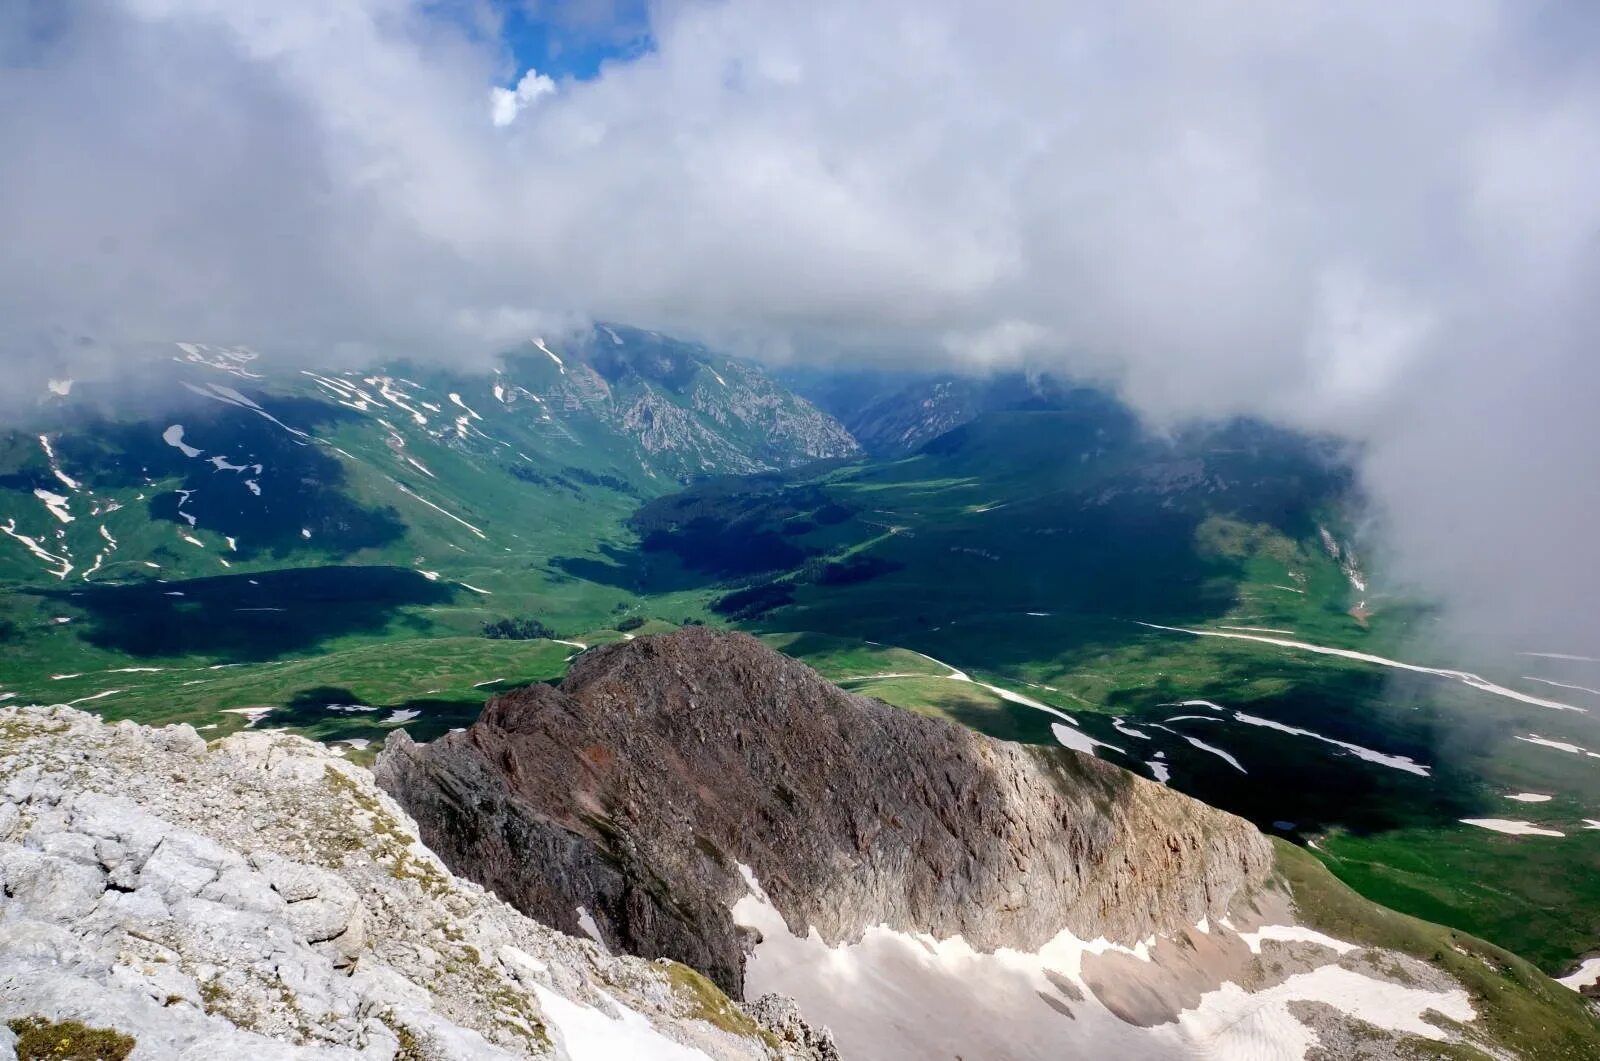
1374 219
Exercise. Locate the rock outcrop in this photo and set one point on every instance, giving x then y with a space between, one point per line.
637 799
263 899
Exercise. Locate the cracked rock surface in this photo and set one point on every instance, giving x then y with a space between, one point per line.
263 899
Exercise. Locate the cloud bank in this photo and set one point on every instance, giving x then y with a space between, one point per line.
1378 219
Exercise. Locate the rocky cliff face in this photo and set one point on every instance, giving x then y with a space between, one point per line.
262 899
637 800
689 410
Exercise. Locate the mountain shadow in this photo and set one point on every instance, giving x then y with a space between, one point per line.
247 618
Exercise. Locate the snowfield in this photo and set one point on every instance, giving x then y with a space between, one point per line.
897 996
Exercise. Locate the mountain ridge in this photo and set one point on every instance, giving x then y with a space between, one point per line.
768 766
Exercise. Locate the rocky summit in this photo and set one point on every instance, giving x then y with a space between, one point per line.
638 798
261 898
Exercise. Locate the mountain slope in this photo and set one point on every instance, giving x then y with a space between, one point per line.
217 459
1194 602
893 414
144 897
921 889
217 510
679 756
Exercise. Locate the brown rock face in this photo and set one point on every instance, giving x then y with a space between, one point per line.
634 788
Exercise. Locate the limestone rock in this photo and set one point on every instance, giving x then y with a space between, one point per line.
277 905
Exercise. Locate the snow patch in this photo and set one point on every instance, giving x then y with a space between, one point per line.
1529 797
229 396
96 696
1587 973
587 923
1511 827
56 503
401 487
559 363
1196 703
173 436
1294 934
1464 677
583 1033
1558 745
33 546
55 464
958 675
1079 741
1561 685
1203 746
1395 762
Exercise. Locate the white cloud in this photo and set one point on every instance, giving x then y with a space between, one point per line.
506 103
1371 217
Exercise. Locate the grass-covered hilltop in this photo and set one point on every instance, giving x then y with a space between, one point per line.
230 544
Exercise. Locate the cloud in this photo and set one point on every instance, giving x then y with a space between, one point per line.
506 103
1377 219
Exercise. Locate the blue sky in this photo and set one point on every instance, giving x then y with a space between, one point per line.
572 38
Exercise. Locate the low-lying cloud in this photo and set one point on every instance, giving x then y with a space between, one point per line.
1377 219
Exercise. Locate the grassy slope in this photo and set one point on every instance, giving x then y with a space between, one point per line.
1519 1010
967 555
1536 895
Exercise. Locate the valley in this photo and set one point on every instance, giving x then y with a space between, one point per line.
238 547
